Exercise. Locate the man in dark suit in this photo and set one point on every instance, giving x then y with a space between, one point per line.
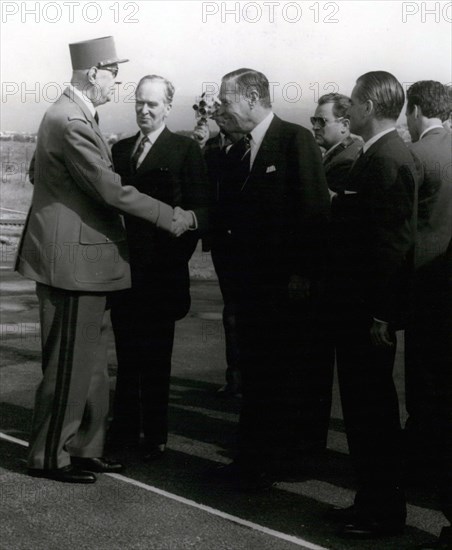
74 247
269 225
331 129
170 167
428 358
373 239
332 132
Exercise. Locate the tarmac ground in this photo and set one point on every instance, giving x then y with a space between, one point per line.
172 503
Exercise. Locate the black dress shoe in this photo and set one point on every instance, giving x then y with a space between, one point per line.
363 528
342 515
154 452
99 464
443 543
243 478
68 474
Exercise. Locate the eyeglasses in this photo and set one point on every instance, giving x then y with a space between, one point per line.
322 121
113 70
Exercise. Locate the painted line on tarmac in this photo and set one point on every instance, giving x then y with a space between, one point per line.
193 504
13 439
425 519
220 514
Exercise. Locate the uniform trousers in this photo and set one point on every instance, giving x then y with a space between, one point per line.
71 405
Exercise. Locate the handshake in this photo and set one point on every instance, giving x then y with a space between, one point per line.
182 221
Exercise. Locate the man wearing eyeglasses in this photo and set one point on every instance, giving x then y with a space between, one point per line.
331 130
74 247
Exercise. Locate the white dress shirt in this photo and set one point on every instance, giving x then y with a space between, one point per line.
375 138
257 136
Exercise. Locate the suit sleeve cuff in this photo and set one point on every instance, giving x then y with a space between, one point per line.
194 224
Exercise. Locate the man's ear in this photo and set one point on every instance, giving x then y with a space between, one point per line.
345 125
92 73
369 107
252 98
169 106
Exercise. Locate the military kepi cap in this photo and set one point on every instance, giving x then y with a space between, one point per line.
98 52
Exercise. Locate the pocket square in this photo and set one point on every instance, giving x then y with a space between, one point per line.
350 192
271 168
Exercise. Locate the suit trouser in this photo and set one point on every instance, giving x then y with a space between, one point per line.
428 378
229 316
144 345
71 405
371 414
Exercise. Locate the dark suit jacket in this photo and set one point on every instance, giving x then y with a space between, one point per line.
273 226
373 226
174 169
337 164
434 230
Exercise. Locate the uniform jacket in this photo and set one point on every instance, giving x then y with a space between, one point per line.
74 237
373 227
337 164
434 229
273 225
173 171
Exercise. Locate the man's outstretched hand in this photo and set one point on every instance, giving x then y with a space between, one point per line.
182 221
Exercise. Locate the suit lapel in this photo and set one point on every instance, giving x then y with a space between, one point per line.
158 152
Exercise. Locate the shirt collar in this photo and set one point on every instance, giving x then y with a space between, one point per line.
152 136
375 138
331 149
83 97
258 133
430 128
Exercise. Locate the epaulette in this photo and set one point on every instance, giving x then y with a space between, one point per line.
75 117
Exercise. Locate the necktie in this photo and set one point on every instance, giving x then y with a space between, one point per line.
137 153
239 159
96 117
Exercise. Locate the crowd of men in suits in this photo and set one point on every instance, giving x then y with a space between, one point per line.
320 261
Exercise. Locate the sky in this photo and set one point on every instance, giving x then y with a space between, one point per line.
305 48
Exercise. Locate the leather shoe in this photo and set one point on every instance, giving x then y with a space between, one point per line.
68 474
99 464
154 452
443 543
243 478
342 515
362 528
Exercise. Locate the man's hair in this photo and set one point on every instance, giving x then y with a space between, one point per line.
432 97
385 92
340 102
247 80
169 88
